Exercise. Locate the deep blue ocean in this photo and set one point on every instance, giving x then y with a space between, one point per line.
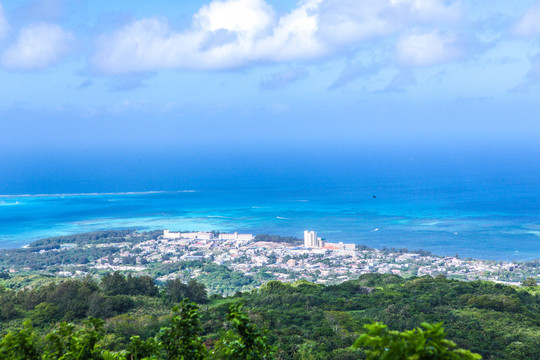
483 206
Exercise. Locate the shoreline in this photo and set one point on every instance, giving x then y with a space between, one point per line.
28 242
262 258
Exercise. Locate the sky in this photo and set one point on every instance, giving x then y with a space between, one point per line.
110 76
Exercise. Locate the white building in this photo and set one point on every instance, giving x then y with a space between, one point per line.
192 236
311 239
236 237
171 235
341 246
198 235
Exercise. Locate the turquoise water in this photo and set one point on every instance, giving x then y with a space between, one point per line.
481 202
478 222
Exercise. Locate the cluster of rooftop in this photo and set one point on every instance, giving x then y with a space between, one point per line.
267 257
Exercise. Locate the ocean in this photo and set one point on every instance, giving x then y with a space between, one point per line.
447 205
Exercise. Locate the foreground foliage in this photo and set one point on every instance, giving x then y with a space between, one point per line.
305 320
180 340
416 344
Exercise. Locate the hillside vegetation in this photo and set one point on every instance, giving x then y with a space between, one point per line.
304 320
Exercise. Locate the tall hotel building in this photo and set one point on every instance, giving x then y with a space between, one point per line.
310 239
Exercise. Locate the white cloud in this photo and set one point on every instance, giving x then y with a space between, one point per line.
3 23
529 25
221 35
234 33
38 46
430 10
346 21
294 37
428 49
249 17
150 44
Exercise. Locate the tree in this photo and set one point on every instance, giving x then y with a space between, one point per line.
65 343
529 282
72 297
141 285
44 313
138 349
19 345
174 291
7 308
196 291
245 341
181 340
114 284
416 344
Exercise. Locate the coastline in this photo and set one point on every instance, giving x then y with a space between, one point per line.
262 258
342 215
377 245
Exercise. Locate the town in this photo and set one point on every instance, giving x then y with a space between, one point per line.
233 262
288 259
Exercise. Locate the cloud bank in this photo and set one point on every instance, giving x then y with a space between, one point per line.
38 46
235 33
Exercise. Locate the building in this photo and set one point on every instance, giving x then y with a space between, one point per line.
198 235
312 241
236 237
310 238
171 235
192 235
291 263
339 246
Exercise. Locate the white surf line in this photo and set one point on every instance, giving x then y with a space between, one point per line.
100 194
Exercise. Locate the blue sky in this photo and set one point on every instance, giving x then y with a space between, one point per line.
123 74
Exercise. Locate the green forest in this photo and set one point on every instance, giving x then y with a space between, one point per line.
130 317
